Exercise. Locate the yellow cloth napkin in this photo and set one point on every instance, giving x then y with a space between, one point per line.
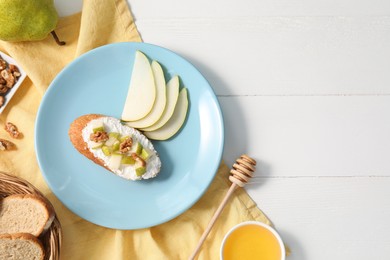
103 22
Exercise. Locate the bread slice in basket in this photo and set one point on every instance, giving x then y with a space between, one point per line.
25 213
119 148
21 246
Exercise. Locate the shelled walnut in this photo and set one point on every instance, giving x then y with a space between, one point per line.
6 145
126 145
3 89
12 130
99 136
8 77
9 74
3 64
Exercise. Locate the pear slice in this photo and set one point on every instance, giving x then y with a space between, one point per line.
97 126
98 129
128 160
107 151
175 122
139 171
114 135
95 145
111 140
136 148
142 90
145 154
159 103
172 96
115 161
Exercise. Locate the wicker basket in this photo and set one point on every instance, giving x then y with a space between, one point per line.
51 239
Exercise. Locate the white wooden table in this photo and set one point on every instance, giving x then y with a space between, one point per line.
305 89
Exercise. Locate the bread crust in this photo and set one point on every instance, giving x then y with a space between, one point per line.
43 201
75 135
25 236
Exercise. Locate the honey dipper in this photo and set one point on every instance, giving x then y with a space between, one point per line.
240 174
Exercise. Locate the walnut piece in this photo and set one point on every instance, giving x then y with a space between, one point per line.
14 70
3 64
3 89
9 78
126 145
99 136
12 130
9 73
139 159
6 145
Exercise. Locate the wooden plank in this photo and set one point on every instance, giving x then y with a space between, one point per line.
65 8
274 47
310 136
281 55
328 218
231 8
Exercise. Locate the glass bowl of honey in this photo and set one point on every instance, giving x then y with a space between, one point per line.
252 240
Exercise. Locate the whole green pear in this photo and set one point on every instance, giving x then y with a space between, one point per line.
27 20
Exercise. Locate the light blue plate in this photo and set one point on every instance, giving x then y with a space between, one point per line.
97 82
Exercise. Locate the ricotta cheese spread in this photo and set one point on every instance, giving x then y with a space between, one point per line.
124 170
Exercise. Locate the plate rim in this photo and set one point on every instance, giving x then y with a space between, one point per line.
163 219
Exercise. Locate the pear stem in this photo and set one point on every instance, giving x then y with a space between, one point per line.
53 33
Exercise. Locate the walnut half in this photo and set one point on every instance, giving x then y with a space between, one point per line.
126 145
12 130
3 64
8 77
14 70
139 159
3 89
99 136
6 145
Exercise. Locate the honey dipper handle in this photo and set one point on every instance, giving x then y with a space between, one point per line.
213 220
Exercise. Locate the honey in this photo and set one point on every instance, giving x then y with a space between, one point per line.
252 241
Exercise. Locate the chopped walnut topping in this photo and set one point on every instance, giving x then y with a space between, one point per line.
12 130
2 81
6 145
9 78
139 159
2 101
126 145
99 136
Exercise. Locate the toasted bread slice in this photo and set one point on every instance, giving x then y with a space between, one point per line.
80 132
25 213
21 246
